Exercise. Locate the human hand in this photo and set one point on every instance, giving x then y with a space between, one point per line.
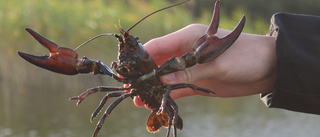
248 67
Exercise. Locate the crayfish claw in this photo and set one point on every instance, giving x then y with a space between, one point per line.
60 60
43 41
210 46
73 98
36 60
214 25
232 37
80 99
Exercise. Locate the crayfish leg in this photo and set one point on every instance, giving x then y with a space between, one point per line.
171 108
109 110
103 102
90 91
185 85
174 119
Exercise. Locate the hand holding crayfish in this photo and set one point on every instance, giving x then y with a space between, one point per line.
139 70
247 67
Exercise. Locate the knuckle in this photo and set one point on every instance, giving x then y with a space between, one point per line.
187 75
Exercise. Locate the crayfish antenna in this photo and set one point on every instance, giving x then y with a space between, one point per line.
95 37
154 13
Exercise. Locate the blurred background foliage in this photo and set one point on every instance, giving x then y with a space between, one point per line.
71 22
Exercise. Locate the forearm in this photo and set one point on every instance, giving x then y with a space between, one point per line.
297 46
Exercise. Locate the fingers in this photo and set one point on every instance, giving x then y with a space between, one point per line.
174 95
209 70
174 44
182 93
185 76
139 103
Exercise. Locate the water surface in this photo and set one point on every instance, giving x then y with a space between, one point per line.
43 110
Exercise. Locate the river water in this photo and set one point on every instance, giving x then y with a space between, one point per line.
41 109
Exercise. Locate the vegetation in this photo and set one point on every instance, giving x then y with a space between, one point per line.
70 22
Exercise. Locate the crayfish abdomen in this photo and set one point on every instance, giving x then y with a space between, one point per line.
152 93
137 69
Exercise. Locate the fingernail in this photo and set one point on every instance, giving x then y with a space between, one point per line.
168 79
138 102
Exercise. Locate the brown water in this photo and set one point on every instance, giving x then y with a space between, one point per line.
39 107
34 103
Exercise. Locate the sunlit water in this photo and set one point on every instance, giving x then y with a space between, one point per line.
45 111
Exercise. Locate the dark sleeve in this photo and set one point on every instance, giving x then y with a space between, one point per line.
297 86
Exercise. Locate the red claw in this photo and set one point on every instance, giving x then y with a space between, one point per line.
61 60
210 46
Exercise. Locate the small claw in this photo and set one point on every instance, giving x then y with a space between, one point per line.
210 46
61 60
160 111
76 98
91 119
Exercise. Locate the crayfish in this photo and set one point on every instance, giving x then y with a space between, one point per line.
138 70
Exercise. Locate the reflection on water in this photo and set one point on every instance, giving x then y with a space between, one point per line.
43 110
34 103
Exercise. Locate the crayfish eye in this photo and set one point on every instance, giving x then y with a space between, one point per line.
127 68
124 71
